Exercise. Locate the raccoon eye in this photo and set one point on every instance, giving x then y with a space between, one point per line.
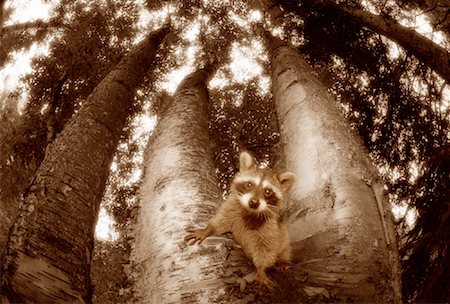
249 185
268 192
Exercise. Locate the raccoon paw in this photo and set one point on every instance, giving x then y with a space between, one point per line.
197 235
265 282
194 236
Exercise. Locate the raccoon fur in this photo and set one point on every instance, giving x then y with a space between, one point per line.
251 213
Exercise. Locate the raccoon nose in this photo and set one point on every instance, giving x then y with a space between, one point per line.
253 203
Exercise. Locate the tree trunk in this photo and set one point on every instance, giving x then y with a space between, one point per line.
179 190
430 53
179 185
49 250
340 223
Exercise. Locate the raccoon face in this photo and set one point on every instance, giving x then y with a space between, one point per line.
257 191
260 189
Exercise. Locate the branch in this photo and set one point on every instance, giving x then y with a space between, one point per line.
37 24
430 53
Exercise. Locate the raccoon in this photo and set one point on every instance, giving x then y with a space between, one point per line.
251 213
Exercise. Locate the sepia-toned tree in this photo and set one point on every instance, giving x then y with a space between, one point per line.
338 188
397 135
57 85
49 248
179 187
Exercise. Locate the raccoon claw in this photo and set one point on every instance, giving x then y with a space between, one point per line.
195 235
264 281
192 239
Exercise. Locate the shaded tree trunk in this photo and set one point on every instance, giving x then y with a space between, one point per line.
49 250
340 223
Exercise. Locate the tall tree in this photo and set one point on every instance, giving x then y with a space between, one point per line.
49 250
180 190
342 229
179 186
403 126
87 50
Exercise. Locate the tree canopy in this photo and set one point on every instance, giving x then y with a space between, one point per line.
395 99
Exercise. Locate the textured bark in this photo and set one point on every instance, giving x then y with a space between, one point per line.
180 190
430 53
8 212
179 184
341 227
49 250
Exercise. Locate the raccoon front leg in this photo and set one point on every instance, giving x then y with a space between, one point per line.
198 235
284 259
218 225
263 260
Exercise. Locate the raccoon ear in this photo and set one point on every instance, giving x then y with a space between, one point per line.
287 179
246 161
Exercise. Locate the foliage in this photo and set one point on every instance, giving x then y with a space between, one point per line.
251 125
436 10
109 272
81 54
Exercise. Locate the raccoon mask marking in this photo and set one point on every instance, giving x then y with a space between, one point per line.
259 190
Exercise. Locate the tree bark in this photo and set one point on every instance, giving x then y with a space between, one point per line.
179 185
430 53
180 190
341 228
49 250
